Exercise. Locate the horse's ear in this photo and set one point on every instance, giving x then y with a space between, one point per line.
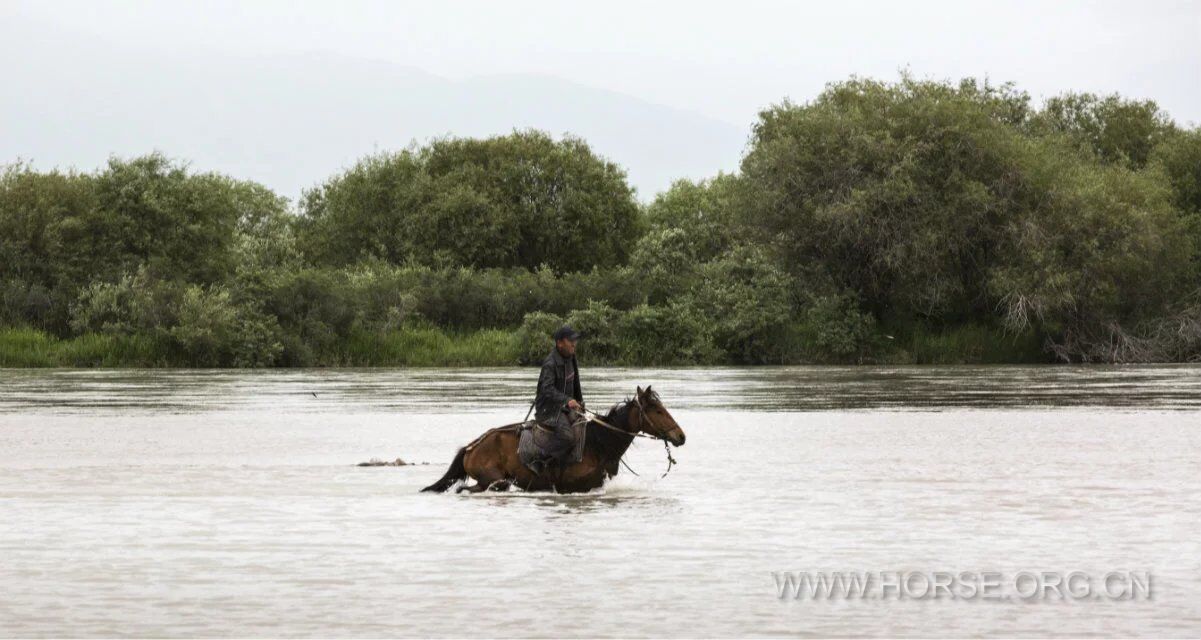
648 388
639 391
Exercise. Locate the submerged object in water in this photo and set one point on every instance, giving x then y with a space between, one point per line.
376 462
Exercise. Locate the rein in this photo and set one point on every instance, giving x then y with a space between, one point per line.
592 417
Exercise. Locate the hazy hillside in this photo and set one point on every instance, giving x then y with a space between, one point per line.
291 121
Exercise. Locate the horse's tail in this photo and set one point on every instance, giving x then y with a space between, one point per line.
455 473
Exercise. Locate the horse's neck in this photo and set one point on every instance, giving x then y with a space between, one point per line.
610 442
614 446
622 443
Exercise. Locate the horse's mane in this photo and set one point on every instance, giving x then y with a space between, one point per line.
619 411
611 443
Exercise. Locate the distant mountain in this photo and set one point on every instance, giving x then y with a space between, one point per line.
291 121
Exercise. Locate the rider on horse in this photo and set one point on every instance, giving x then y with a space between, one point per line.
559 403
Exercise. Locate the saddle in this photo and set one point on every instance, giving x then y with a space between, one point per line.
540 446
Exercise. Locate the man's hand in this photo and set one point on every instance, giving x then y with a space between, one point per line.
573 405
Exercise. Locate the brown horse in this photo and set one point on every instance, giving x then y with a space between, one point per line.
491 460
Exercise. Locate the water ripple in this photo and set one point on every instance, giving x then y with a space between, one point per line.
1167 387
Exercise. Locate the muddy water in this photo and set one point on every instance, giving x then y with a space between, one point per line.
222 503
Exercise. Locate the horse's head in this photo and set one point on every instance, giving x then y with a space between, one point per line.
654 419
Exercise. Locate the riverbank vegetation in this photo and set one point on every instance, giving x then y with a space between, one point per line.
890 222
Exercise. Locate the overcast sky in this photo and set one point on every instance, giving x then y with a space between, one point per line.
721 60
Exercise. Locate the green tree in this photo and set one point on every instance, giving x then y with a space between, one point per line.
264 236
521 200
1179 157
704 211
1117 130
59 232
895 192
1094 250
43 218
689 224
931 203
151 211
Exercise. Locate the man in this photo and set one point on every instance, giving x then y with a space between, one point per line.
559 402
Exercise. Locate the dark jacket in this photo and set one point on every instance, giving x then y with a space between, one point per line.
553 393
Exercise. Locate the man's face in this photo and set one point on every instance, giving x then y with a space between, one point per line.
566 347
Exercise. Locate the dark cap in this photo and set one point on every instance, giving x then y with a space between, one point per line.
567 332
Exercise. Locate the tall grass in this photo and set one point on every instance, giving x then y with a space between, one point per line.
21 347
431 347
427 346
407 347
968 344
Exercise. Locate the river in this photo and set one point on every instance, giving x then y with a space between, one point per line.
228 503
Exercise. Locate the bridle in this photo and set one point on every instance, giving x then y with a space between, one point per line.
642 416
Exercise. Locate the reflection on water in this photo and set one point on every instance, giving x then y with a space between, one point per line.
228 503
588 503
465 390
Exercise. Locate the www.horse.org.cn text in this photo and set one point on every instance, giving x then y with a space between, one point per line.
1019 586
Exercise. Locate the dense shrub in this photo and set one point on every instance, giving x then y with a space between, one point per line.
747 302
838 330
534 336
666 335
212 331
316 310
601 339
191 324
666 263
33 304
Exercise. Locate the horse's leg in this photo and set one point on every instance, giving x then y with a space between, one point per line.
480 485
582 476
486 464
493 463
